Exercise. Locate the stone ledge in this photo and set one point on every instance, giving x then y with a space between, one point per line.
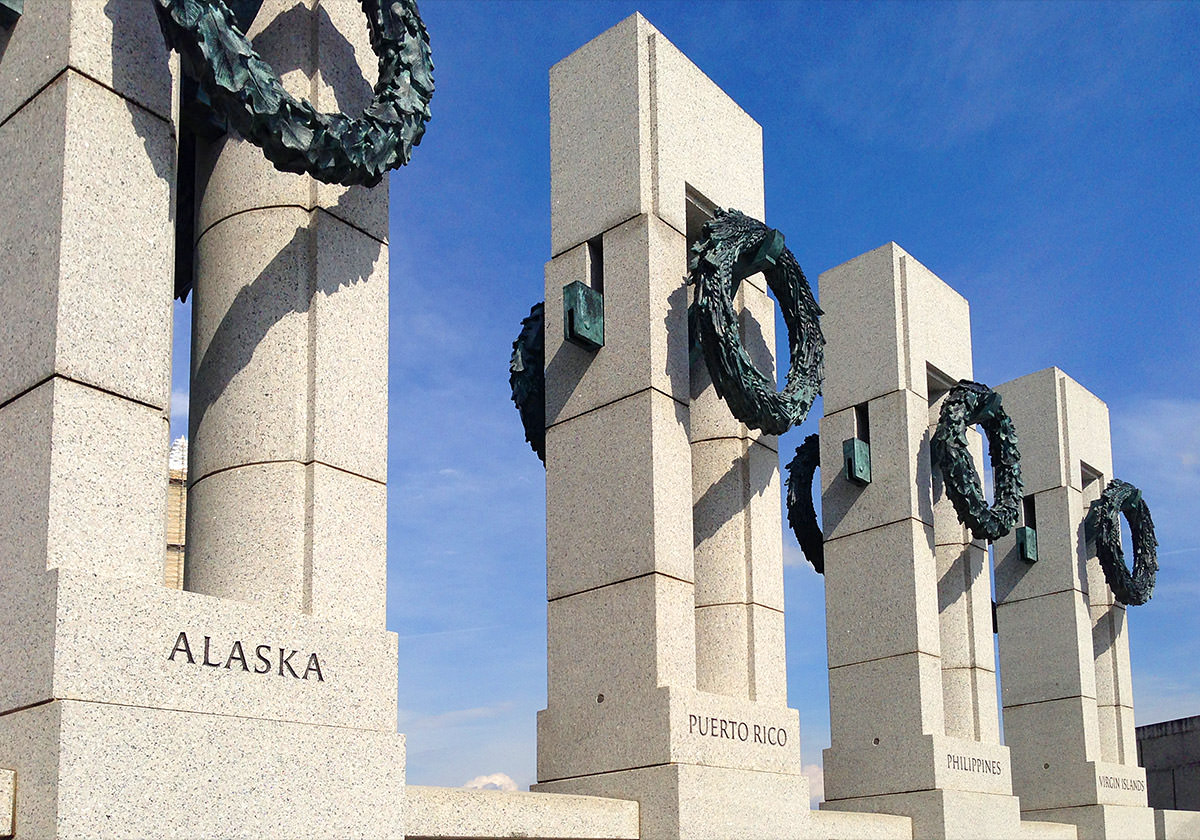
434 812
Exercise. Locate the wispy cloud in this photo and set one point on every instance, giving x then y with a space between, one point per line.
457 717
493 781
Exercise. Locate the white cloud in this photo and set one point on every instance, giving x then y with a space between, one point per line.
495 781
816 783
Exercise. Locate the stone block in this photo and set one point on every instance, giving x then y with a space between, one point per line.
723 640
433 812
702 140
1176 825
1104 822
887 319
1110 638
737 523
118 642
633 125
1062 560
867 779
965 606
949 814
250 343
348 520
881 594
1053 745
83 483
698 803
618 495
948 529
901 478
600 123
348 328
645 321
253 523
1059 424
262 778
253 397
969 700
1044 649
83 295
881 702
117 43
641 727
618 639
768 657
836 825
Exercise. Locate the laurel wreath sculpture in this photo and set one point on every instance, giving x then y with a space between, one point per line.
527 378
801 514
1121 497
293 135
968 404
732 245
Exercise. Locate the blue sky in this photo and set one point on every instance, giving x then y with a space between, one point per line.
1041 158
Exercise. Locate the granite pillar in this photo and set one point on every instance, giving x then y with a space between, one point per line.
907 591
288 421
664 568
128 709
1062 640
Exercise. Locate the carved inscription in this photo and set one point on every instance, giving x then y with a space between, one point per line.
253 659
971 764
737 730
1120 783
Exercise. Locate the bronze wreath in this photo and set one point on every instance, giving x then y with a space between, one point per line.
732 246
527 378
1104 517
293 135
801 514
969 403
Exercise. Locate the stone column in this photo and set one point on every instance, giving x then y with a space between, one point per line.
1067 765
905 588
662 550
288 421
737 522
86 250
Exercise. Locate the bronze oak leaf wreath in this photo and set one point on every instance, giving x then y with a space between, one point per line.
1121 497
967 404
801 514
293 135
731 246
527 378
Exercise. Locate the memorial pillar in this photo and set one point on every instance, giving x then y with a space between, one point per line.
288 420
907 592
1064 654
665 636
127 708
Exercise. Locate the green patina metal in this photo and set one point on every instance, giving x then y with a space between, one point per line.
1027 544
801 514
857 456
731 247
967 404
1103 526
294 136
10 10
527 378
583 316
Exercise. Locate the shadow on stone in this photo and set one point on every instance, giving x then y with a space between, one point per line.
266 300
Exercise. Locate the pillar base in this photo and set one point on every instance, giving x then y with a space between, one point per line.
1104 822
957 815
